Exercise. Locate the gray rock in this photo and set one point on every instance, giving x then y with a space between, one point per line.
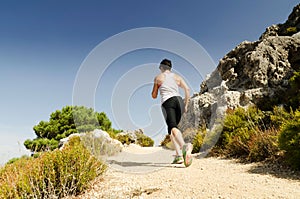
251 72
97 133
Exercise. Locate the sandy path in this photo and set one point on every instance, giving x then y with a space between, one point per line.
205 178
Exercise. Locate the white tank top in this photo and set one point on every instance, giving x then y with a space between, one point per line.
169 87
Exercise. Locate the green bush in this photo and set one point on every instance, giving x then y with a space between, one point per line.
289 140
52 175
280 116
13 160
144 140
138 138
245 134
166 140
251 134
198 141
62 123
113 133
239 126
41 144
125 139
294 93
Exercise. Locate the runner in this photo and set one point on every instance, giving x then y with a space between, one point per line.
173 107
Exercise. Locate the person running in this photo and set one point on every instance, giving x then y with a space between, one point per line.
173 107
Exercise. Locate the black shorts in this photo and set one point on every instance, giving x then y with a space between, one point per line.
172 110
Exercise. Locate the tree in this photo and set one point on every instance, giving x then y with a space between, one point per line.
62 123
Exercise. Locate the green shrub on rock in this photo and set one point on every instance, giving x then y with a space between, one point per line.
144 140
125 138
62 123
135 137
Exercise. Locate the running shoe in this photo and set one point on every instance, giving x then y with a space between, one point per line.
187 154
177 160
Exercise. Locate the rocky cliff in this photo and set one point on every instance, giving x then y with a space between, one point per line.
252 73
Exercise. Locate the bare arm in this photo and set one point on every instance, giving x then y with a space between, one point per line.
155 89
186 89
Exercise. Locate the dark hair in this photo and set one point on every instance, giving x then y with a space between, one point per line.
166 62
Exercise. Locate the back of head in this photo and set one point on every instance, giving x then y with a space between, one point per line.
165 64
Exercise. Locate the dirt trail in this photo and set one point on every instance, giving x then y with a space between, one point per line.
205 178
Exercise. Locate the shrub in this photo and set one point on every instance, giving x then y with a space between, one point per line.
263 144
198 141
113 133
294 93
41 144
280 116
239 126
52 175
251 133
13 160
144 140
238 143
166 140
289 140
125 139
136 138
62 123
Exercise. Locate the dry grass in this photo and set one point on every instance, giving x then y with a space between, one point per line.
52 175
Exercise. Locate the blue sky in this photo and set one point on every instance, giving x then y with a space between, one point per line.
44 43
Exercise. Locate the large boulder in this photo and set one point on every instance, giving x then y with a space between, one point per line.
97 141
249 74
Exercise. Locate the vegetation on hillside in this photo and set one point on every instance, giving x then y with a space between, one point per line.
53 174
62 123
255 135
289 139
139 139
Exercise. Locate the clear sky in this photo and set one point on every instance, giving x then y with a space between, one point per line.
44 43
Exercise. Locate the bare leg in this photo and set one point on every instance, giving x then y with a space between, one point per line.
178 137
176 145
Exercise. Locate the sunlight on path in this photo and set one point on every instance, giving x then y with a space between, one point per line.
135 159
